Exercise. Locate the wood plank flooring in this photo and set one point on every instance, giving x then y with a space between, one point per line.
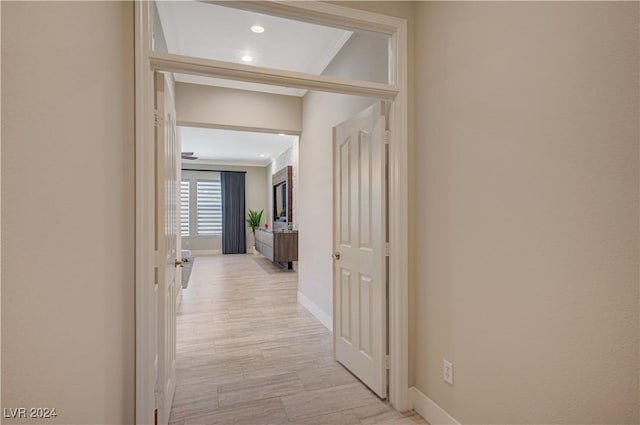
248 353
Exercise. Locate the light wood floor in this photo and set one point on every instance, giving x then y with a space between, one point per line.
248 353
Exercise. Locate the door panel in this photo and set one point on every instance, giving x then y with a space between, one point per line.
345 192
360 331
365 320
365 189
167 230
345 324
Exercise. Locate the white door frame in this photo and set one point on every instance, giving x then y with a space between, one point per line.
146 62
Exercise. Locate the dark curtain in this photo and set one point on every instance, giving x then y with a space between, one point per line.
233 221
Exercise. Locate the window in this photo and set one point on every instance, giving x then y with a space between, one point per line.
184 207
209 207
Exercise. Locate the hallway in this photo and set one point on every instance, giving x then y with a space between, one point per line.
248 353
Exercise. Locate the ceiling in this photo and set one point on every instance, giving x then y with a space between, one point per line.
233 147
204 30
211 31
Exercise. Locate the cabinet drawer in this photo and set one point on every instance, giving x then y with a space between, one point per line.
267 251
265 238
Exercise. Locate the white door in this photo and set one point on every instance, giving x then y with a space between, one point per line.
167 230
359 236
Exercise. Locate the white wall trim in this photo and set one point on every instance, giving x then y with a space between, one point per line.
398 221
429 409
168 62
317 312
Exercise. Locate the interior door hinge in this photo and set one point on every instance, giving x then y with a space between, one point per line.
387 249
387 362
157 118
386 137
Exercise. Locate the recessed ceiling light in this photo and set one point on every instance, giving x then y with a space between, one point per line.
281 134
257 29
247 58
262 155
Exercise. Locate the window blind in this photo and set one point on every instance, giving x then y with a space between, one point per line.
184 207
209 207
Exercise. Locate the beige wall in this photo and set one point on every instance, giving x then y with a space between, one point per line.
68 209
527 191
198 105
322 111
525 267
256 198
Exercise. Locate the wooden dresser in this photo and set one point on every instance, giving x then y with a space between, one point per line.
280 246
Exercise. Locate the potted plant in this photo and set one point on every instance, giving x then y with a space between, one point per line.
254 218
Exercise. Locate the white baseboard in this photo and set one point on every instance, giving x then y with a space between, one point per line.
323 317
205 252
429 410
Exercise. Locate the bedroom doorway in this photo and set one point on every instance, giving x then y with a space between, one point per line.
316 12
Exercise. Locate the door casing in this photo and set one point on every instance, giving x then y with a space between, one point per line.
146 62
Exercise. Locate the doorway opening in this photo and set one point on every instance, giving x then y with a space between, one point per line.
258 348
397 152
213 151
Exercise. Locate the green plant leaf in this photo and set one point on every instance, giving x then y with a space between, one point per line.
254 218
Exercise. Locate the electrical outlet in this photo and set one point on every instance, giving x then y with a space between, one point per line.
447 371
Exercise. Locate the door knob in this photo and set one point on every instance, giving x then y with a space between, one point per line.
178 263
336 256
